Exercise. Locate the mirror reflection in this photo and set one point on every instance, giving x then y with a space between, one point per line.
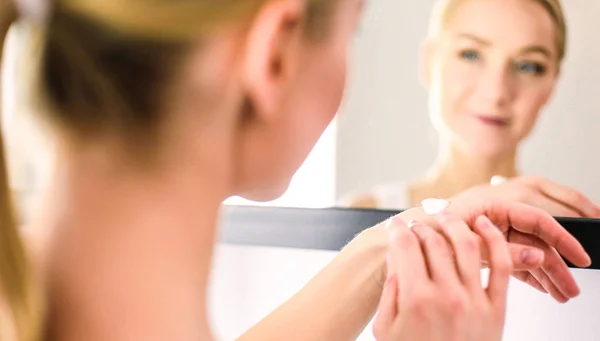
435 107
487 80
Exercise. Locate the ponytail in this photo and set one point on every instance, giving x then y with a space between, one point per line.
17 286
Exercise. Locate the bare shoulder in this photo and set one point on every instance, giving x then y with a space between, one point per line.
361 200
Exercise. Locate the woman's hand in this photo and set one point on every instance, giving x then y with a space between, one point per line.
434 290
556 199
524 227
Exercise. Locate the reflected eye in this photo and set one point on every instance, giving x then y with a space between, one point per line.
469 55
530 67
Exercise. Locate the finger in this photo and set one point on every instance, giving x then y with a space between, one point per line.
406 258
550 287
535 221
553 266
466 249
527 278
388 307
438 255
567 196
500 260
525 257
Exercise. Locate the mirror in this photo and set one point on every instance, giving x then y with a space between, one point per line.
384 133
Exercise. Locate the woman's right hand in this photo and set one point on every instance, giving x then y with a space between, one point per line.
433 290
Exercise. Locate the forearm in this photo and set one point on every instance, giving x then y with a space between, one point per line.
336 304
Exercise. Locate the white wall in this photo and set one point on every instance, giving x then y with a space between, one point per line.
384 132
249 282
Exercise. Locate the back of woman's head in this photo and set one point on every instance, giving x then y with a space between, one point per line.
106 68
114 68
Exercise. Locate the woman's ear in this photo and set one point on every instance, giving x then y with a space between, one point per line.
271 55
425 62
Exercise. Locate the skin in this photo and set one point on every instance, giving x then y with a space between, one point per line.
446 273
481 68
127 251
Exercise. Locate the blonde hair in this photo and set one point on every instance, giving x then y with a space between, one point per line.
104 66
18 288
444 10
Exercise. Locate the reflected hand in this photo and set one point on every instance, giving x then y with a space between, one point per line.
554 198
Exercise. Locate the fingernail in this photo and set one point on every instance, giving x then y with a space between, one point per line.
484 222
532 256
412 223
389 224
393 222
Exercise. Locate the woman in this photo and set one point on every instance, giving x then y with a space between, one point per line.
162 110
488 79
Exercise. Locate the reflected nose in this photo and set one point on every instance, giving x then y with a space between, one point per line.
496 87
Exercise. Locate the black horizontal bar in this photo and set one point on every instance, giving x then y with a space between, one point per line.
332 228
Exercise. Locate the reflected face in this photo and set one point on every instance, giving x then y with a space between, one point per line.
492 70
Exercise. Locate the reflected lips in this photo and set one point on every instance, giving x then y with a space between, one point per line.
493 121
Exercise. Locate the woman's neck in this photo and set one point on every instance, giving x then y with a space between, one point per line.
164 222
95 190
455 171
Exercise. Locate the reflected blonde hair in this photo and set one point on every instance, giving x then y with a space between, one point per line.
444 10
104 67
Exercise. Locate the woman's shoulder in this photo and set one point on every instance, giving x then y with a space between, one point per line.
388 195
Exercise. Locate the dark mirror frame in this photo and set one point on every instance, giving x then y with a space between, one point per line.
332 228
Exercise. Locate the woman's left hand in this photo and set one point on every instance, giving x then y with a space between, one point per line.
524 227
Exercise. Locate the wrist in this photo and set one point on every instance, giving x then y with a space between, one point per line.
371 247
